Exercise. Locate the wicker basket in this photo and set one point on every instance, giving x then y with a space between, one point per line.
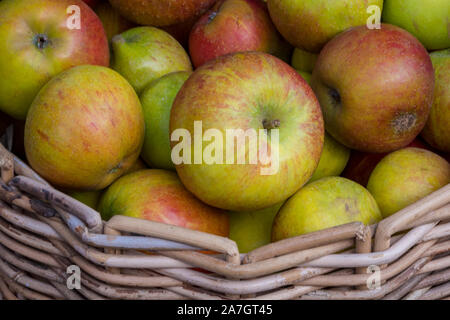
43 232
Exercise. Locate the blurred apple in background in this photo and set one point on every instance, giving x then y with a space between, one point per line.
333 159
375 88
361 164
157 100
89 198
309 24
37 45
323 204
144 54
406 176
302 60
158 195
437 129
252 229
161 13
249 91
84 129
427 20
112 21
235 26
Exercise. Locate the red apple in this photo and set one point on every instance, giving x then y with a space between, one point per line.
375 88
234 26
160 13
158 195
41 38
361 164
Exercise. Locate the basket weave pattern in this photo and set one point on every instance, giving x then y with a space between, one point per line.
43 232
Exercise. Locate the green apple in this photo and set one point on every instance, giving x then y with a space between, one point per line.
158 195
303 60
323 204
252 229
333 160
112 21
306 76
437 128
84 129
36 45
89 198
427 20
405 176
309 24
241 97
144 54
157 100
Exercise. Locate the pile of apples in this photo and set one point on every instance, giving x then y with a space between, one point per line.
361 109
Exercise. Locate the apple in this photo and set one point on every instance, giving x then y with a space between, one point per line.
309 24
252 229
306 76
157 100
437 128
361 164
428 20
158 195
160 13
234 26
323 204
405 176
89 198
333 159
37 45
144 54
259 100
112 21
84 129
303 60
375 88
92 198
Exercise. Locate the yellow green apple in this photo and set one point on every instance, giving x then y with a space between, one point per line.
111 19
252 229
89 198
323 204
37 44
157 100
303 60
144 54
309 24
405 176
84 129
261 101
437 128
427 20
158 195
333 160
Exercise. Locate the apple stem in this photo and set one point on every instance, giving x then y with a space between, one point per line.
271 124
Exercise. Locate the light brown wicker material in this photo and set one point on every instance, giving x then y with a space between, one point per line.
43 232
